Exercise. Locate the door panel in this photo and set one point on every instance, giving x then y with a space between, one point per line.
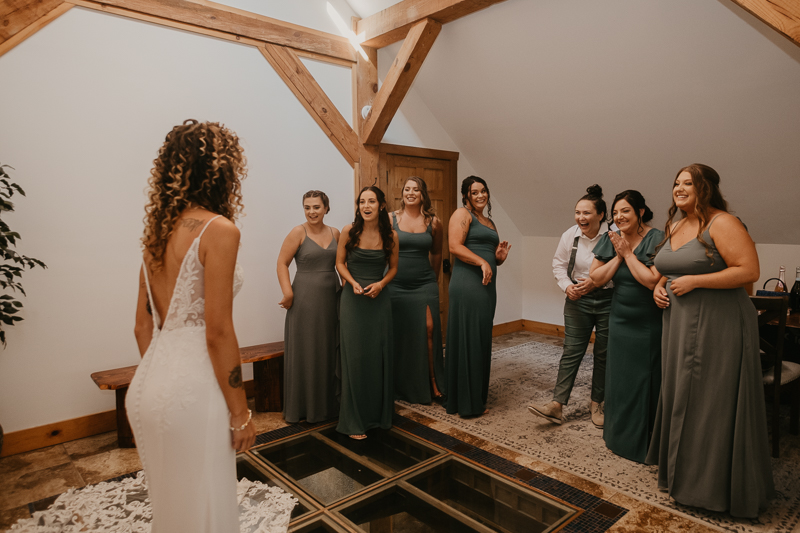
440 176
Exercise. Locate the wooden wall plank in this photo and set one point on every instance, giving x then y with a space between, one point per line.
19 19
310 94
399 79
58 432
393 23
782 16
235 22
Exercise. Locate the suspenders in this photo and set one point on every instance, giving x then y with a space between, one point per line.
571 266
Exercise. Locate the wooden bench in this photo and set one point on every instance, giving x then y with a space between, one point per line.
267 362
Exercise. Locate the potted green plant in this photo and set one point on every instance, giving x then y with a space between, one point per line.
13 263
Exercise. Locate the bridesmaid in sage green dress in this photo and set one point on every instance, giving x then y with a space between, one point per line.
710 439
310 386
366 248
473 297
633 366
418 359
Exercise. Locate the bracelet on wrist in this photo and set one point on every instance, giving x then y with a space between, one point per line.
249 418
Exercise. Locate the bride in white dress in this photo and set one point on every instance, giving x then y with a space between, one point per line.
186 403
190 376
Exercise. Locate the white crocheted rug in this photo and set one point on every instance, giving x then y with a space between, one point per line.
526 374
124 507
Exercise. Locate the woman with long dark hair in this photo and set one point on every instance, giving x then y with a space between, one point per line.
476 245
366 259
419 364
186 403
586 307
710 437
311 330
633 369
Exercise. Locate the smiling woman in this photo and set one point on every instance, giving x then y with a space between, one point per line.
476 245
633 370
310 333
710 438
367 247
419 364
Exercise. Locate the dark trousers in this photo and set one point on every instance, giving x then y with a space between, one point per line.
580 317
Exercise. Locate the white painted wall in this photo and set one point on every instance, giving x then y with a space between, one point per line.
416 125
85 105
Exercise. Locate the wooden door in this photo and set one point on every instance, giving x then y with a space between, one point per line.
438 169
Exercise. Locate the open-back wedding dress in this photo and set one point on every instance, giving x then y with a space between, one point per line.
181 424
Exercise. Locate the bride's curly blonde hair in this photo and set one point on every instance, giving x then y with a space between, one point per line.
199 165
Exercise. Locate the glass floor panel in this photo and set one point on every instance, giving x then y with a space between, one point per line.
394 482
245 468
325 472
489 499
389 451
396 510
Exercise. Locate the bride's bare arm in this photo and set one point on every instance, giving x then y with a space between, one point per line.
143 330
218 250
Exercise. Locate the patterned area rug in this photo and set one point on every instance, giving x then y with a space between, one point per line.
526 374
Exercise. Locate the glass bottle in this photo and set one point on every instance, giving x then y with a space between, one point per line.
781 285
794 296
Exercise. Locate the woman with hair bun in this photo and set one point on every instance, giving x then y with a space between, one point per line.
186 403
633 369
419 364
586 307
366 260
710 438
473 297
310 386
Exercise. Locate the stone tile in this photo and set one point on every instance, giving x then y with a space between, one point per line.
93 445
25 486
440 426
466 437
702 528
645 517
501 452
264 422
533 464
23 463
102 466
9 518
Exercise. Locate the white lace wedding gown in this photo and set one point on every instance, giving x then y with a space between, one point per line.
181 424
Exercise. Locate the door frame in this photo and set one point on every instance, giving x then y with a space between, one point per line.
385 150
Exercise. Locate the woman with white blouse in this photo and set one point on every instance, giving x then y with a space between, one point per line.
586 307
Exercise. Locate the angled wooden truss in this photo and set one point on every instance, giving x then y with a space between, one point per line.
417 21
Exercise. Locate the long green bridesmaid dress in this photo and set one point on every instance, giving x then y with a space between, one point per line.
468 355
633 366
366 349
413 291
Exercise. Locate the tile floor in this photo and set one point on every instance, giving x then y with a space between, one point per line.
39 474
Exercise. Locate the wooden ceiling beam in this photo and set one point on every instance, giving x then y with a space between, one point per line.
209 17
19 19
393 23
782 16
398 81
300 81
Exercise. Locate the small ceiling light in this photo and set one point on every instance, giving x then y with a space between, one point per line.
346 32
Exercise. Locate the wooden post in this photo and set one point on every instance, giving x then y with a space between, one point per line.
365 88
